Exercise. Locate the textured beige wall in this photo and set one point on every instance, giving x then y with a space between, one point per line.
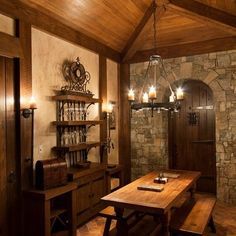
48 54
7 25
112 95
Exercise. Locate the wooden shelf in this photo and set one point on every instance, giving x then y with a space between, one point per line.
57 212
75 173
77 147
78 98
79 122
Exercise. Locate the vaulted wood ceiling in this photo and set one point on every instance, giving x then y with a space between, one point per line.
127 25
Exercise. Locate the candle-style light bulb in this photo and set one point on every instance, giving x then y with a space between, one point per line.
152 92
179 93
145 98
33 104
131 95
109 108
172 97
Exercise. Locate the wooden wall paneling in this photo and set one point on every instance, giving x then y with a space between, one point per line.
44 22
103 96
189 49
205 13
124 121
10 46
3 192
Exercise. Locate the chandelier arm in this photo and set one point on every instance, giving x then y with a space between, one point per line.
145 80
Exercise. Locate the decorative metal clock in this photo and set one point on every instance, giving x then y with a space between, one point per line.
76 77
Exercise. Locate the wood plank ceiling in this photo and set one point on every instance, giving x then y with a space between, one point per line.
127 25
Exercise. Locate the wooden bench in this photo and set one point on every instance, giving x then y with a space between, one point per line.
110 214
193 216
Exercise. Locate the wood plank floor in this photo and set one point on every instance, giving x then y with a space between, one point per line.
224 217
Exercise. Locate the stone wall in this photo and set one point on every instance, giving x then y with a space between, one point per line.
149 147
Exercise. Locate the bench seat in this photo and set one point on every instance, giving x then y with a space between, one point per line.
193 216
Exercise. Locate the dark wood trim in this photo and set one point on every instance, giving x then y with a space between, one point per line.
103 96
132 47
25 91
124 122
205 13
189 49
138 29
10 46
21 11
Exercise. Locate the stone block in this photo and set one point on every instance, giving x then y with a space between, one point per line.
210 77
223 60
186 70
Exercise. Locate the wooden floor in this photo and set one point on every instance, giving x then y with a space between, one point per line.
224 217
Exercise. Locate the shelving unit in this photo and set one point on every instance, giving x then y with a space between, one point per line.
72 127
47 210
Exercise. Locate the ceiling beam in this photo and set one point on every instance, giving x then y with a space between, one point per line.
138 29
189 49
205 14
19 10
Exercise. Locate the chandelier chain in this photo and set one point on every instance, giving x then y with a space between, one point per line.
154 26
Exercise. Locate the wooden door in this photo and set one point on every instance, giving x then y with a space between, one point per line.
192 135
9 205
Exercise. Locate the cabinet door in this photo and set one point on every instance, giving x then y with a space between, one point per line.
82 197
98 189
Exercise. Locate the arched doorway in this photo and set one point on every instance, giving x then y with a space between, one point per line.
192 135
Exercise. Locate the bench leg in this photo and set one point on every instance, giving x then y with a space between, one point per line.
107 227
212 225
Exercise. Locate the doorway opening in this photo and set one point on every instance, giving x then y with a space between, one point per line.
192 135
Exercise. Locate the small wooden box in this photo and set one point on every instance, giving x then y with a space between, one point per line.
50 173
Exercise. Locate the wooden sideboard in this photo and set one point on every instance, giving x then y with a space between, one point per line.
50 212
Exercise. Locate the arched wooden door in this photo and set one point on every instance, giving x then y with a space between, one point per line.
192 135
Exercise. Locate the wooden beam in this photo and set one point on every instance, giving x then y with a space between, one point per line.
103 96
10 46
189 49
159 13
19 10
205 14
138 29
124 122
24 90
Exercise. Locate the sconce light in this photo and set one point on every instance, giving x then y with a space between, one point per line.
108 113
26 112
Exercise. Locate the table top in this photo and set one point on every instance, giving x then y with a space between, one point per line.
149 201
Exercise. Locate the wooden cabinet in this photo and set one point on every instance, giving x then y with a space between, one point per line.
50 212
90 189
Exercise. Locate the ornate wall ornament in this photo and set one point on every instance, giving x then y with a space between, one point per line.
76 77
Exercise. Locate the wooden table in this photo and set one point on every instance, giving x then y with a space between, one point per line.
159 203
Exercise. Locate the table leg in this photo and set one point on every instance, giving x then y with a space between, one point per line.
121 225
165 224
193 190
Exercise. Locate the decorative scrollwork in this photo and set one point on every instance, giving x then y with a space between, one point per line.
76 76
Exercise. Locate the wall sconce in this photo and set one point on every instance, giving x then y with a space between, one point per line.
26 112
108 116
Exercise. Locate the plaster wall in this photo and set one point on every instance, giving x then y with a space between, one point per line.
48 54
7 25
112 96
